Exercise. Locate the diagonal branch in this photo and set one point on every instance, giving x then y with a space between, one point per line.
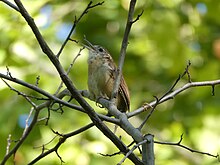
185 147
157 103
57 99
76 21
20 93
61 141
24 136
11 5
174 93
90 111
39 90
68 70
123 48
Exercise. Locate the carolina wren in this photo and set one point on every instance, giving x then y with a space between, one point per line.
101 77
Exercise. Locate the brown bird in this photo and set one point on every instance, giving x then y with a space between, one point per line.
101 77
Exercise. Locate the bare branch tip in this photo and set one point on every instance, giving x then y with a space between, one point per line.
157 99
75 20
56 132
182 135
89 6
146 106
213 90
37 80
138 17
181 139
90 3
59 157
8 72
187 72
73 40
110 155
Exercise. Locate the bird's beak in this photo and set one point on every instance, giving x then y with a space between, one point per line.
89 45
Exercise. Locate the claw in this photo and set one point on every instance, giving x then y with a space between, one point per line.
146 106
98 104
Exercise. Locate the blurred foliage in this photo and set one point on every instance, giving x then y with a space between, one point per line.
167 36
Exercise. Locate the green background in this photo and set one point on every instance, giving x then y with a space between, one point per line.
167 36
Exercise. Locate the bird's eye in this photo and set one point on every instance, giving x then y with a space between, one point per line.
101 50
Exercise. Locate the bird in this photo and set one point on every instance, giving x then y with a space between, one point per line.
101 77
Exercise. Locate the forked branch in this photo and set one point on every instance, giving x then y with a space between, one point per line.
185 147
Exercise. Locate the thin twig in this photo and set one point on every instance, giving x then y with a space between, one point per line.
138 17
131 151
110 155
8 144
185 147
53 98
60 142
213 90
37 80
123 49
76 21
68 70
157 102
43 146
187 72
11 5
9 73
148 116
23 138
28 120
20 93
173 94
40 91
27 97
61 160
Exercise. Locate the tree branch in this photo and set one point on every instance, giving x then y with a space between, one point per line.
61 141
90 111
157 102
76 21
68 70
173 94
24 136
55 99
11 5
123 49
39 90
185 147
